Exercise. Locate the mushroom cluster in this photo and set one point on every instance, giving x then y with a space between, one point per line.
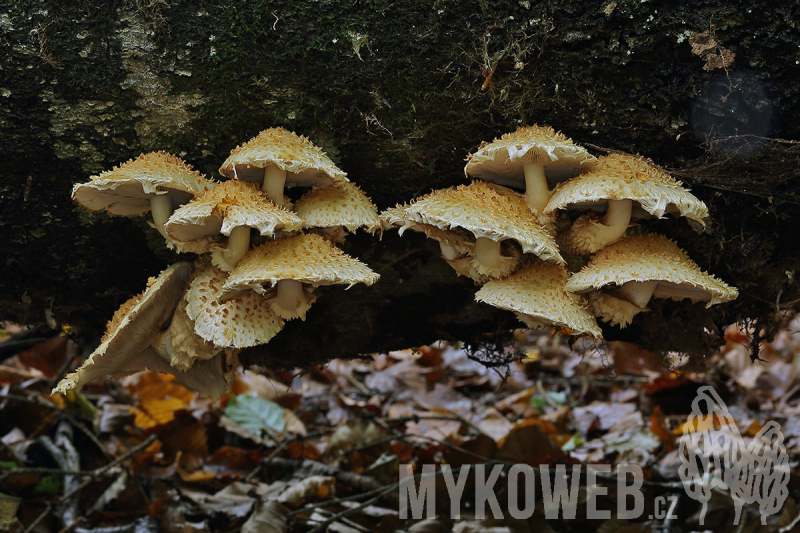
258 267
512 243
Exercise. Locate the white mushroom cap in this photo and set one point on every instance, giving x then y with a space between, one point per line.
652 263
133 328
342 205
625 177
239 323
305 165
536 294
502 160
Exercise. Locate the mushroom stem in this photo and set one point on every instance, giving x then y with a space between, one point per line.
638 292
537 193
290 295
487 253
161 209
617 218
238 244
449 252
274 180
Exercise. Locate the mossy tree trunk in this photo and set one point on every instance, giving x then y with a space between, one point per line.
397 93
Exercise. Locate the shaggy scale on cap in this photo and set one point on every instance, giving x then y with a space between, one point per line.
230 210
342 205
135 325
230 204
156 182
536 294
276 158
492 214
298 264
638 267
618 181
529 158
239 323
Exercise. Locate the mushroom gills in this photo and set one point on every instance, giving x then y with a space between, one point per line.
450 252
161 209
679 292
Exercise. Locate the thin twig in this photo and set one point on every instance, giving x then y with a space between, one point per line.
99 472
41 403
75 523
39 519
350 510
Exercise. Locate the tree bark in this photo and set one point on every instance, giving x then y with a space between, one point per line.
398 94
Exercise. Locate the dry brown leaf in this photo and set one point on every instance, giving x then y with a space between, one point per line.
317 487
493 423
528 444
254 384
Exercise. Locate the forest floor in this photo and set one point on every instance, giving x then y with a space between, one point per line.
323 449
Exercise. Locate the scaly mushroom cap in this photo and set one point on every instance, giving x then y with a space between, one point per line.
536 294
301 262
487 211
309 259
624 177
461 240
187 346
133 328
209 377
344 204
240 322
306 165
651 257
228 205
126 190
502 160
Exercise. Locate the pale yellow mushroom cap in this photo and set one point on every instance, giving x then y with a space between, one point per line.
651 257
132 329
460 239
624 177
306 165
230 204
126 190
536 293
343 204
502 160
240 322
309 259
486 210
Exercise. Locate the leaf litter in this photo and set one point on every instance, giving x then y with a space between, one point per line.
320 449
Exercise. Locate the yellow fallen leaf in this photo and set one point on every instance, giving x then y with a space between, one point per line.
152 413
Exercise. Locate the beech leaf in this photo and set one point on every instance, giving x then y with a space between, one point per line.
256 414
